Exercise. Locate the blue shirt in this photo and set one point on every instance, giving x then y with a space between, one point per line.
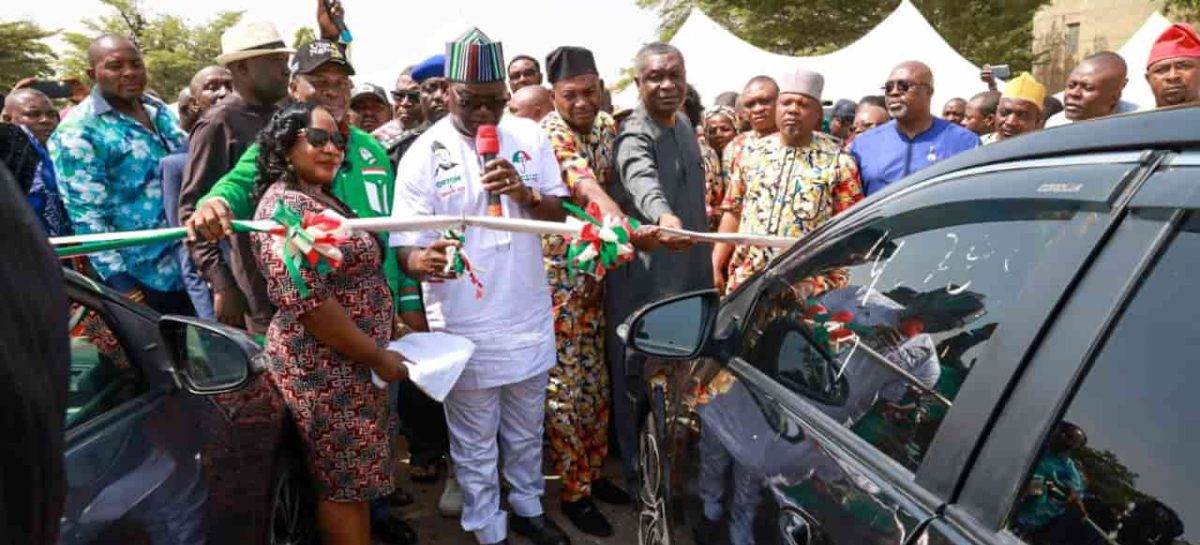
108 171
884 154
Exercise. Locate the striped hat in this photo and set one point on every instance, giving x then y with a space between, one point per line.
475 58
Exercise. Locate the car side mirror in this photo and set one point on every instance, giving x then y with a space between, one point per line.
207 358
674 328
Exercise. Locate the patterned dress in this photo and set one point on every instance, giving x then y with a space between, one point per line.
577 403
785 191
714 185
341 416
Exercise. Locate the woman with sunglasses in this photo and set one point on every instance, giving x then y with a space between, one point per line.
323 345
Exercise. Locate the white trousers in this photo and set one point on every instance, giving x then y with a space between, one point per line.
516 412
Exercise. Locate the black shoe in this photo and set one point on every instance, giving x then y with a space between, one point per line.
706 531
394 531
587 517
540 530
608 492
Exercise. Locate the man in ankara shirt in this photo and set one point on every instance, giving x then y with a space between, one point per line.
578 406
500 396
1173 68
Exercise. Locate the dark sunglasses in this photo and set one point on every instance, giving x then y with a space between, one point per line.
901 85
472 103
317 138
411 96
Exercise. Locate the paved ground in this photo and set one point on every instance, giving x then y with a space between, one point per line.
432 528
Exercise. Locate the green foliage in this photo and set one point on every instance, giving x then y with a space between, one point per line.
23 53
1184 10
303 36
173 48
983 31
1107 478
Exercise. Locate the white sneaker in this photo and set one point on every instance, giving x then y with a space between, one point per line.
451 502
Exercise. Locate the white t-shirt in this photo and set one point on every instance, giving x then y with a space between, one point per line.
1060 118
512 326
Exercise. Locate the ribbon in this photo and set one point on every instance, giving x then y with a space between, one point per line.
458 263
310 241
600 245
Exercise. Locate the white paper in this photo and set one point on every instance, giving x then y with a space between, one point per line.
434 360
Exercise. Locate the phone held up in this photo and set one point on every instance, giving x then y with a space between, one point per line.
1001 71
53 89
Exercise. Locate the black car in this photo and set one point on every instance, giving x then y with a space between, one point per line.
174 433
1003 348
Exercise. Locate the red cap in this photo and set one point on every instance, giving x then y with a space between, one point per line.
486 140
1178 40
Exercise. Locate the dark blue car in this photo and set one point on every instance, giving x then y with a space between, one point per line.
174 435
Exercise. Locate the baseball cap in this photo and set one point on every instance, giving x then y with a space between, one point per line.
311 56
369 89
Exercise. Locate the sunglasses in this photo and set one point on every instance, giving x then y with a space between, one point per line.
472 103
411 96
317 138
901 85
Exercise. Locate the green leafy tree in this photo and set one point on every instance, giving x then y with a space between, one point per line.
303 36
23 53
983 31
1184 10
173 48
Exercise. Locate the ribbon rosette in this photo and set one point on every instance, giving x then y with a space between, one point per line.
601 245
458 262
308 241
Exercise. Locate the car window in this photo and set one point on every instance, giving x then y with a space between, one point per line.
1123 463
881 328
102 375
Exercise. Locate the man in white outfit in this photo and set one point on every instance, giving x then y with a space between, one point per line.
502 391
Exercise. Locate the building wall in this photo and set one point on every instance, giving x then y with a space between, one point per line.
1092 25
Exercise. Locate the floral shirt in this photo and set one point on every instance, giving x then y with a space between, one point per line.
714 185
785 191
108 171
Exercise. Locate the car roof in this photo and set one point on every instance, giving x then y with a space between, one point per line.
1169 128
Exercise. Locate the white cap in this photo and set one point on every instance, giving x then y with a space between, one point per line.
251 39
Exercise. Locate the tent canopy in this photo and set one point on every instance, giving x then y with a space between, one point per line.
719 61
1135 52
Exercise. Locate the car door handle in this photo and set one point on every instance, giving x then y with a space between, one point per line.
794 527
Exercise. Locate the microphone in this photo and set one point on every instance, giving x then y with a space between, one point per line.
487 144
345 35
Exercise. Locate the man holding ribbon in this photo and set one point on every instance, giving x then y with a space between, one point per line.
578 405
499 398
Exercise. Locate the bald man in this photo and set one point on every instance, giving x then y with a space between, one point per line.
106 188
1094 90
31 109
914 138
531 102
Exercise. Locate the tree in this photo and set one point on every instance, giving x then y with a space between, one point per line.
23 53
173 49
1184 10
303 35
983 31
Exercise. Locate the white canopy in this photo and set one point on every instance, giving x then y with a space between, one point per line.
719 61
1135 52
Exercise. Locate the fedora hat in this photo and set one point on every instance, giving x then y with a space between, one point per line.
252 39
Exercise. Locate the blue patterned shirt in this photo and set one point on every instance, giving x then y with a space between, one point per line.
43 193
108 172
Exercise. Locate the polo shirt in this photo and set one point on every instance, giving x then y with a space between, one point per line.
885 154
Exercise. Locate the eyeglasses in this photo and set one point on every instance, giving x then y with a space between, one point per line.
902 85
472 103
317 138
411 96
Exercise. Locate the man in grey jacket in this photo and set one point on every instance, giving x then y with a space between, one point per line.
661 183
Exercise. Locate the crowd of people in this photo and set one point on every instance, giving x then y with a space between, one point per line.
269 131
